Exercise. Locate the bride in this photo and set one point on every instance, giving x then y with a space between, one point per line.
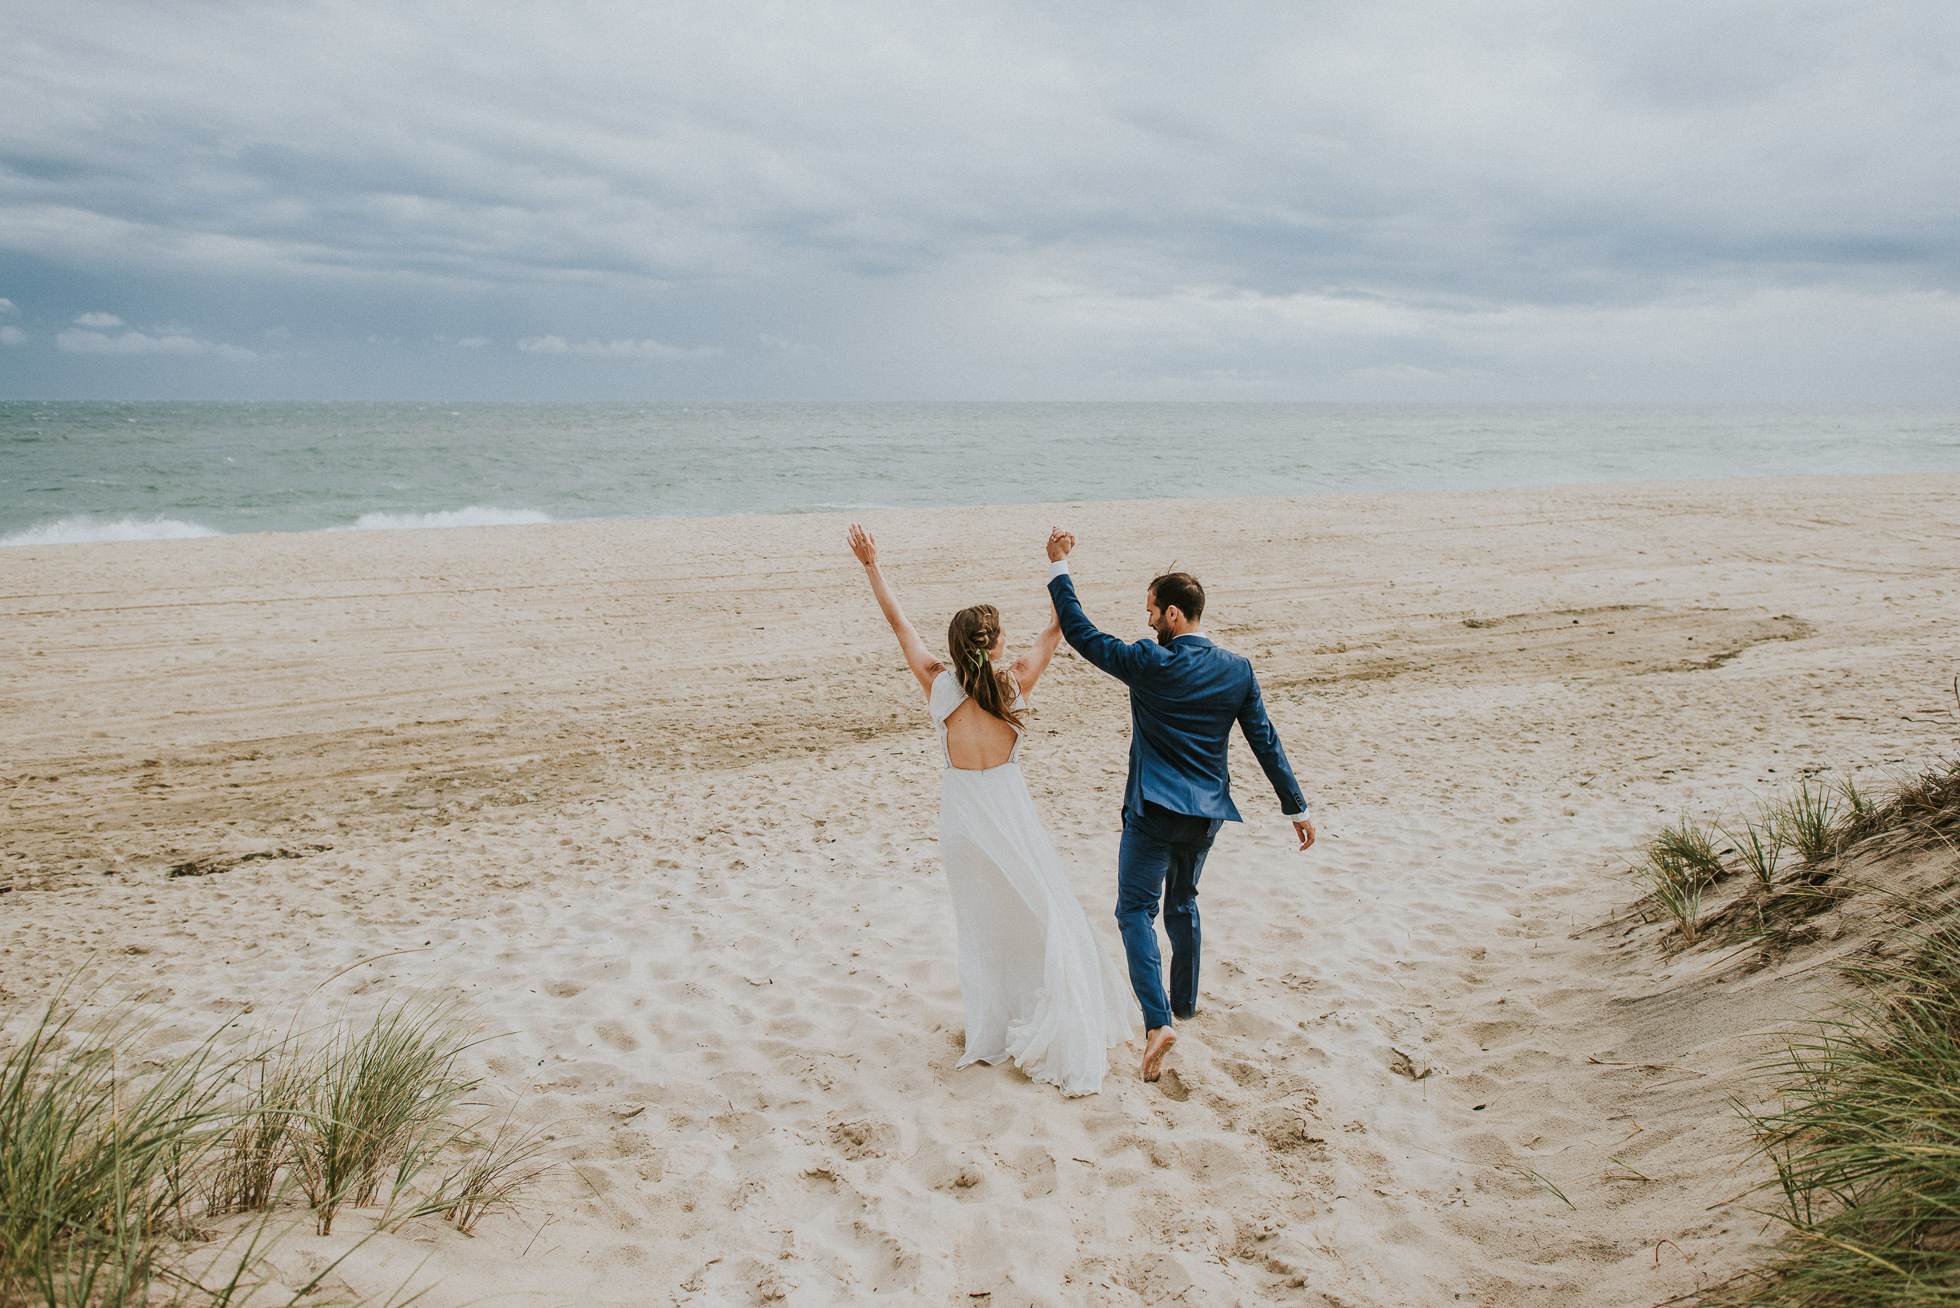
1036 986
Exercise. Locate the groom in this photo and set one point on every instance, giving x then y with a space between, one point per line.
1185 694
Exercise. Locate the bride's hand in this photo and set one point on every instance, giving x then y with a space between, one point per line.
862 545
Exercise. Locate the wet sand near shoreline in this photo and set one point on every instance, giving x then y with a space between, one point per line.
657 798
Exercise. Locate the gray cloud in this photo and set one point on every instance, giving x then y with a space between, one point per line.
1005 198
648 349
165 342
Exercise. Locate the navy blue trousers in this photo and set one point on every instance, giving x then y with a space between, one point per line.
1162 856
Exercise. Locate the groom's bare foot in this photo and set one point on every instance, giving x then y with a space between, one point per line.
1156 1043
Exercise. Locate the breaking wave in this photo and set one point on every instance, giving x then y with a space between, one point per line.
83 528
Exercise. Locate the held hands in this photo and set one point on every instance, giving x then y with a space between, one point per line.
1304 830
862 544
1059 544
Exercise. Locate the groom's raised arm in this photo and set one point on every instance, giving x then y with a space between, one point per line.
1099 647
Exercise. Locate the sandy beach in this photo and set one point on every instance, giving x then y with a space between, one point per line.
658 800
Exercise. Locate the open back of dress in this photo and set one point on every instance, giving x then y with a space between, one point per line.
947 697
1036 985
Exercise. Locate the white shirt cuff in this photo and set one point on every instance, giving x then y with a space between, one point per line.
1057 568
1304 815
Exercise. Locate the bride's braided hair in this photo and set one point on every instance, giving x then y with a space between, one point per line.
971 638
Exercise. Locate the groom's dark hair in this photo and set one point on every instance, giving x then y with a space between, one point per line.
1179 590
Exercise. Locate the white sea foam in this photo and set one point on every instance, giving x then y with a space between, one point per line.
476 515
82 528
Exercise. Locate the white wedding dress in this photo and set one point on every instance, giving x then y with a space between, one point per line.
1036 985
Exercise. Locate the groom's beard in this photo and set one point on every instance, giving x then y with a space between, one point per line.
1164 636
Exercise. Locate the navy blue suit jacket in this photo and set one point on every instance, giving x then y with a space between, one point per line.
1184 698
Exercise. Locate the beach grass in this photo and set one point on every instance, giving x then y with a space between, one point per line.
1923 810
90 1160
1808 821
506 1163
1757 844
1679 897
1690 847
1866 1142
377 1102
100 1160
246 1171
1864 1136
108 1163
1821 822
1678 866
1858 810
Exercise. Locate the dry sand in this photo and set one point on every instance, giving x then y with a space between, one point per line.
657 798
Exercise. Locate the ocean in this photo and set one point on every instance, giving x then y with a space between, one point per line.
78 471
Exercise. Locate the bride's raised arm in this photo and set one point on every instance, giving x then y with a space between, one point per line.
924 666
1028 668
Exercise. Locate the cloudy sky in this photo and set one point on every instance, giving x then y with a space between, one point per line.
1390 199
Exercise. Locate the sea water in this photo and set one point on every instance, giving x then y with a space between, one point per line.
77 471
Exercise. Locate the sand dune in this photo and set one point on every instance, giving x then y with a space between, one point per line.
657 797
